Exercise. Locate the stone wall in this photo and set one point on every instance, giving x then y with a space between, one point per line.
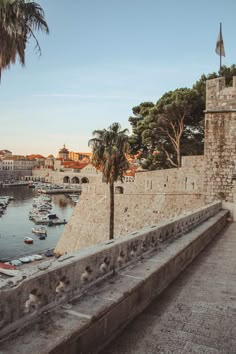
37 289
151 197
14 174
220 140
57 177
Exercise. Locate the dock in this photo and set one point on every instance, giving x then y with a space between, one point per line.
59 191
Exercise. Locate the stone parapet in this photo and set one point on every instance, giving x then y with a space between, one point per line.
218 96
141 266
42 288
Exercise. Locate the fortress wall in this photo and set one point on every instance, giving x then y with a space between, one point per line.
218 96
57 177
89 223
144 202
13 174
220 140
188 178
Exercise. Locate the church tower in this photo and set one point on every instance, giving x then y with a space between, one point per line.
64 153
220 141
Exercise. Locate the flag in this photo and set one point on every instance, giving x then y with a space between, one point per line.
220 50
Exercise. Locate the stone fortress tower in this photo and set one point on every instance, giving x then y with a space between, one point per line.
220 142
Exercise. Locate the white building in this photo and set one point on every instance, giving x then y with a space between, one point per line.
17 163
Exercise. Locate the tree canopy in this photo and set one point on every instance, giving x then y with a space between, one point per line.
173 126
166 130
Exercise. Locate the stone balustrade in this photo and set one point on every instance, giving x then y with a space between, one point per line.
43 287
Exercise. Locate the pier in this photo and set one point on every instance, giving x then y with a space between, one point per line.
60 191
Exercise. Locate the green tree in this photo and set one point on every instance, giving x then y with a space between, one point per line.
174 126
109 147
19 19
166 131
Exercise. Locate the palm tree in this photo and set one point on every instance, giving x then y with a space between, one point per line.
109 147
19 19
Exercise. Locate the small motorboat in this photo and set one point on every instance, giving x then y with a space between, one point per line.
16 262
25 259
42 237
39 230
37 257
8 269
49 253
28 240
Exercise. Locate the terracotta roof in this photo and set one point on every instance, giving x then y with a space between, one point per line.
35 156
74 164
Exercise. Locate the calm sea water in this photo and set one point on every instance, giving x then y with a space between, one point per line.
15 223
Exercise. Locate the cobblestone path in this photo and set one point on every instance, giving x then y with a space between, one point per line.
196 314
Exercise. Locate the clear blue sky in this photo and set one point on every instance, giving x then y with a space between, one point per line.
102 58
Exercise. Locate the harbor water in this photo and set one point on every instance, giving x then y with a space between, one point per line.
15 224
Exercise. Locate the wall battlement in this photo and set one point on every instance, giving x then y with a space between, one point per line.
220 97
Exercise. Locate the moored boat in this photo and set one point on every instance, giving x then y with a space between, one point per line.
8 269
16 262
39 230
42 237
28 240
37 257
25 259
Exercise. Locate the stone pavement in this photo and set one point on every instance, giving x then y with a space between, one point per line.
196 314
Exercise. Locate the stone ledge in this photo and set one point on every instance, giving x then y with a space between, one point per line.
90 322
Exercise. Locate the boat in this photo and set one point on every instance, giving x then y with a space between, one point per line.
42 237
49 253
28 240
16 262
37 257
25 259
39 230
8 269
49 219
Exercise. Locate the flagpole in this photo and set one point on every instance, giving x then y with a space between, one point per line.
220 46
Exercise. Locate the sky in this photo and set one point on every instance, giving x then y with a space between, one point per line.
101 59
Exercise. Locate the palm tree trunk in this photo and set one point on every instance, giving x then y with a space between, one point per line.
111 229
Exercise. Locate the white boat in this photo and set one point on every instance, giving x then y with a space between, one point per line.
46 219
9 272
25 259
37 257
16 262
8 269
39 230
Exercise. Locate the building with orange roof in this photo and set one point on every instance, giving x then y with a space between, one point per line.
80 156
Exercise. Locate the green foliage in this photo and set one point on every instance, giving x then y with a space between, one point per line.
163 127
227 72
158 127
19 19
109 147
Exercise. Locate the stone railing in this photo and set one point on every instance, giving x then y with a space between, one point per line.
43 287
